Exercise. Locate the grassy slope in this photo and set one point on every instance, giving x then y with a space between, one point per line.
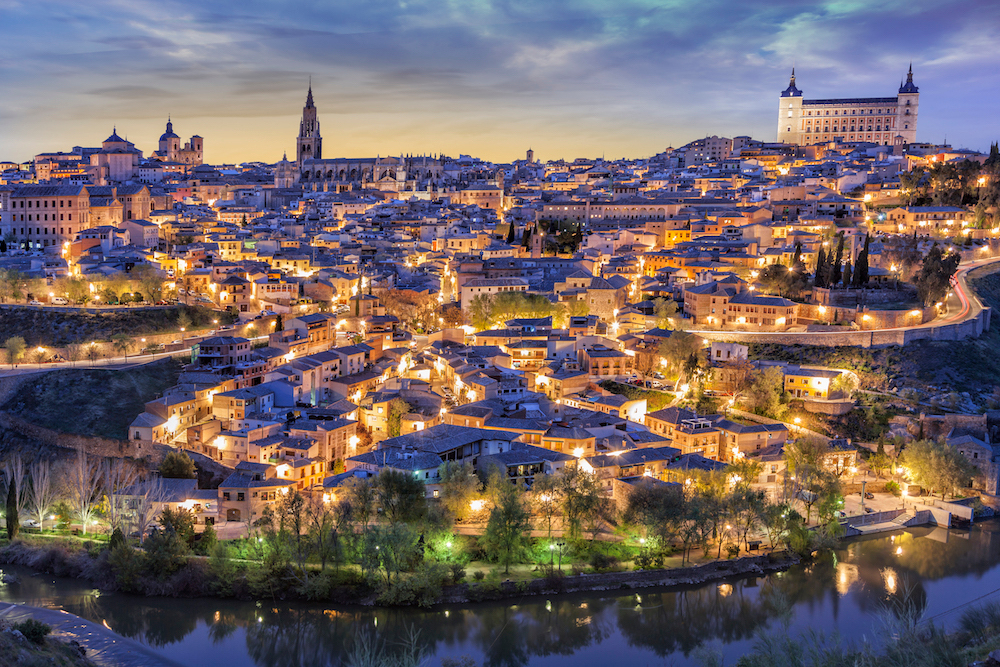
50 328
92 401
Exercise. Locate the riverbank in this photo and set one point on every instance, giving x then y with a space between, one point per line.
197 579
715 571
101 646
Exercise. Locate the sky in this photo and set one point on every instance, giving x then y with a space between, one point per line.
489 78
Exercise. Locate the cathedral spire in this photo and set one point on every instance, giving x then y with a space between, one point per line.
309 96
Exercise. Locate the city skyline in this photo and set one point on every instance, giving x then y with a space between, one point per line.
567 80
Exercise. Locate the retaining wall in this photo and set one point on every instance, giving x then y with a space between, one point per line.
971 328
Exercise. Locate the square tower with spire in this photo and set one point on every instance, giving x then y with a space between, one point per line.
309 144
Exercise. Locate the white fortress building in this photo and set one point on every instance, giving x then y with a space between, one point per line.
880 120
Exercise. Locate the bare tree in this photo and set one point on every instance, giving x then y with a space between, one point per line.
142 505
42 493
119 475
85 487
15 469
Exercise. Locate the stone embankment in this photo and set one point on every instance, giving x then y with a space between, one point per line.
618 581
103 646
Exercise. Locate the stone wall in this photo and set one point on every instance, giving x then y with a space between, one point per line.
104 447
853 298
971 328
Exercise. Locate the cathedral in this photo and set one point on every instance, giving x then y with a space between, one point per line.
389 174
170 148
880 120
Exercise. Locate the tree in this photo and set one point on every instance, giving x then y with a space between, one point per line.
183 320
838 261
820 280
93 352
177 465
861 268
546 499
452 316
511 228
664 310
180 521
362 496
397 408
459 487
279 322
145 499
14 471
848 274
677 350
84 480
119 475
880 461
581 497
291 511
505 536
938 466
41 493
122 343
401 496
481 311
13 517
389 548
657 507
14 347
806 459
766 390
934 277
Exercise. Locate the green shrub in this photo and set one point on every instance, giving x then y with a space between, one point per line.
478 575
457 572
205 542
600 562
117 539
422 588
34 631
893 488
127 565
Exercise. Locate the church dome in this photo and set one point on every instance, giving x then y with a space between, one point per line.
169 134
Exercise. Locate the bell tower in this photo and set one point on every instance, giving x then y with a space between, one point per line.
309 144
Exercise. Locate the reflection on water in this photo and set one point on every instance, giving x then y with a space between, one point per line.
931 571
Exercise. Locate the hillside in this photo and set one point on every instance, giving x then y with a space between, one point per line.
55 328
91 401
924 368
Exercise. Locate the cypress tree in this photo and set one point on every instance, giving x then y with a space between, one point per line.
861 270
797 255
526 238
847 274
820 268
510 234
13 525
838 261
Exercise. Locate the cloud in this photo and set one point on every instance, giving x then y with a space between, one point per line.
586 76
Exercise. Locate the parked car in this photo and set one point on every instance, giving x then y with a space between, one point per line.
35 302
58 301
868 510
869 495
30 523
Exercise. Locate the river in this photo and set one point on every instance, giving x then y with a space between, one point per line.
844 592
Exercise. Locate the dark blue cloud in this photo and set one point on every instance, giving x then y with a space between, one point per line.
571 77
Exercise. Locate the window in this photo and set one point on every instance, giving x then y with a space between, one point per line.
240 496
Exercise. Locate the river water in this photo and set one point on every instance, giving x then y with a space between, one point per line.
846 592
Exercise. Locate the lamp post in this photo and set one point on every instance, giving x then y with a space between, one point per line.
560 545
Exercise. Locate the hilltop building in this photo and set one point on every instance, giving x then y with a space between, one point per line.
880 120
